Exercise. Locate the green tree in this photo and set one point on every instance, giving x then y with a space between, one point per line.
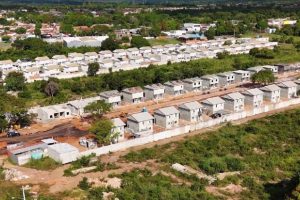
263 77
96 194
262 25
210 33
14 81
99 107
6 38
110 44
222 55
102 130
51 89
83 184
3 124
93 69
139 41
20 30
67 28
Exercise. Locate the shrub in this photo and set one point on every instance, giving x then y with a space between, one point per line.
83 184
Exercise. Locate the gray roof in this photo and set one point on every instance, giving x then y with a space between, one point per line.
154 86
270 88
233 96
297 82
190 105
167 111
191 80
117 122
62 148
173 83
140 117
257 68
287 84
133 90
241 72
253 92
30 148
208 77
107 94
225 74
213 101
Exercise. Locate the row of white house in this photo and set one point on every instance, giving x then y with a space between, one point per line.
76 64
135 95
141 124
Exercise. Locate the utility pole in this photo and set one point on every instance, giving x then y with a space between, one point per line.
23 192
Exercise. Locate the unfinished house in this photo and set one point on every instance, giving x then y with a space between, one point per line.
118 128
191 111
254 97
133 95
192 84
167 117
23 155
46 114
234 102
213 105
77 106
174 87
140 124
154 91
210 82
288 89
241 76
226 79
271 93
112 97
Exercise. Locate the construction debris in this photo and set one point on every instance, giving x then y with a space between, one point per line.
14 175
107 182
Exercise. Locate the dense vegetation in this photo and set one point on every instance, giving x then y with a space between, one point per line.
266 151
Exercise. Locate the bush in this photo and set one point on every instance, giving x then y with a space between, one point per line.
83 184
45 163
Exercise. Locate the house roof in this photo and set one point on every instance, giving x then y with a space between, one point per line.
213 101
140 117
73 55
52 67
91 54
191 80
112 93
208 77
49 141
133 90
191 105
173 83
6 62
240 72
155 86
59 57
253 92
167 111
118 122
233 96
225 74
287 84
270 88
44 58
62 148
29 148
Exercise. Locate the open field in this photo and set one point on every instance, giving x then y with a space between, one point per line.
4 46
163 41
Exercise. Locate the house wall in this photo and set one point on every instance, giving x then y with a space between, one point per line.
288 92
273 96
120 130
167 122
189 115
144 127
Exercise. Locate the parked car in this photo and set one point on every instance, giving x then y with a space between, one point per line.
216 115
13 134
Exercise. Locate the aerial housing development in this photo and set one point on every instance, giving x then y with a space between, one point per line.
149 100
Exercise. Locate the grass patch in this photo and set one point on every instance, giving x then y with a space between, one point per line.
45 163
163 41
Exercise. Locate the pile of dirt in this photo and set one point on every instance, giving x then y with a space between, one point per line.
107 182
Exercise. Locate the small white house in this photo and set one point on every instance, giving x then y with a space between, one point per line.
112 97
288 89
106 63
75 57
63 153
140 123
48 113
214 105
133 52
174 87
154 91
42 60
254 97
234 102
91 56
59 59
256 69
242 76
6 65
133 95
51 70
190 111
192 84
118 128
167 117
145 51
70 68
272 68
271 93
226 79
77 106
210 82
119 53
105 54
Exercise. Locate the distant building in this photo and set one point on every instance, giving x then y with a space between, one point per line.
154 91
88 41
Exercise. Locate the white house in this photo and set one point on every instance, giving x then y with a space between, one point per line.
271 93
118 128
63 153
254 97
167 117
133 52
192 27
140 123
48 113
42 60
133 95
210 82
6 65
226 78
154 91
214 105
106 63
105 54
146 51
190 111
174 87
256 69
272 68
192 84
59 59
75 57
158 49
51 70
70 68
91 56
234 102
242 76
119 53
32 73
77 106
112 97
288 89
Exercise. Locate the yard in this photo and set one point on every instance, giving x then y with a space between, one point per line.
163 41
